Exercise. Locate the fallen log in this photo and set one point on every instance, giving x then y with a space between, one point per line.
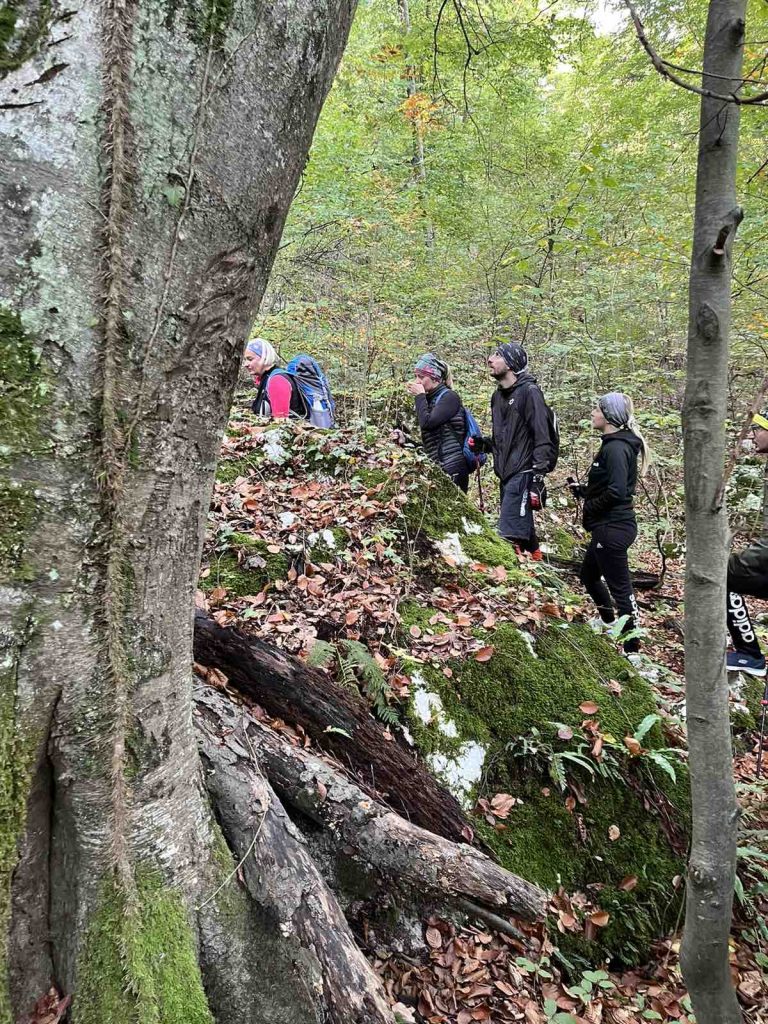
407 856
336 719
282 878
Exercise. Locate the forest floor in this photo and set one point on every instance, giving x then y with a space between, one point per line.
475 973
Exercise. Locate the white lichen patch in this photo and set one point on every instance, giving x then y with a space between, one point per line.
471 527
529 643
326 536
460 771
450 547
287 519
274 450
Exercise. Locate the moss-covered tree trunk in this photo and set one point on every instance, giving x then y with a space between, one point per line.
713 851
148 156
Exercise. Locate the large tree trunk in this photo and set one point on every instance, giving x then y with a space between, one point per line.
148 161
713 853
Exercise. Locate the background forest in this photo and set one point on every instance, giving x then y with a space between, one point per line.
520 170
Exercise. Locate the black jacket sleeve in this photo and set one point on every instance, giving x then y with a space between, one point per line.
615 458
535 413
749 566
432 416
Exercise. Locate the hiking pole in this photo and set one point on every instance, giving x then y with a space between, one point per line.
480 491
764 705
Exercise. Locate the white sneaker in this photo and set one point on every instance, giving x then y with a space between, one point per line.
597 625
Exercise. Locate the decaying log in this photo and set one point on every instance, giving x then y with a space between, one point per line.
282 878
406 855
289 689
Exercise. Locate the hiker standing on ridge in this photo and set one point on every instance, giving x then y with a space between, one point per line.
525 445
299 391
441 417
748 574
276 397
609 513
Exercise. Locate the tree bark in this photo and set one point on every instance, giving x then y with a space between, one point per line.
713 852
407 857
289 689
147 165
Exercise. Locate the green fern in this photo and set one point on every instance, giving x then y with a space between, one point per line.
321 655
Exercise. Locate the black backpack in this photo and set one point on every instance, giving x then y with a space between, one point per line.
554 433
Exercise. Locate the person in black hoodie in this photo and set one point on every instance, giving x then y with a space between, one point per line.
609 513
522 445
441 417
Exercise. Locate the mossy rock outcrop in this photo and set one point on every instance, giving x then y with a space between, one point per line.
496 726
541 713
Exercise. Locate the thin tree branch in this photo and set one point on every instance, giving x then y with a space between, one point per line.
663 68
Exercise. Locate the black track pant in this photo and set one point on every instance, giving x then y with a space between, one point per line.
605 575
461 479
739 623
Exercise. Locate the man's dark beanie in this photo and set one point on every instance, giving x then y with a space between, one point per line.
514 356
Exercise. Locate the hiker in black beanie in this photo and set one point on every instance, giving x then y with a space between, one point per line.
525 445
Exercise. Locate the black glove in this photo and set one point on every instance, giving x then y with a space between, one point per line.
577 490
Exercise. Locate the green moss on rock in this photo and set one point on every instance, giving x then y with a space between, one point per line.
138 964
519 690
438 507
248 573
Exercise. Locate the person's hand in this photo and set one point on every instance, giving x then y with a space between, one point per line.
573 487
414 387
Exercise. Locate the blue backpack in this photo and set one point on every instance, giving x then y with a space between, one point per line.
473 442
474 456
312 384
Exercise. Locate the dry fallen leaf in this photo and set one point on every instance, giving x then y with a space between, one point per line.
485 653
434 938
589 707
632 745
600 918
628 884
614 833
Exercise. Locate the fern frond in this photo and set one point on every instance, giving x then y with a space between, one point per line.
321 654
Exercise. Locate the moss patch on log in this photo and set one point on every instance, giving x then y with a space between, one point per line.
138 964
528 691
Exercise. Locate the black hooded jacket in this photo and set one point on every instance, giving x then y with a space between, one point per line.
612 481
521 438
441 418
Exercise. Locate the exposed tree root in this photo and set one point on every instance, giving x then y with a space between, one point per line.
406 855
282 878
289 689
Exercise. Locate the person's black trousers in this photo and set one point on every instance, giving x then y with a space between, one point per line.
605 575
461 479
740 626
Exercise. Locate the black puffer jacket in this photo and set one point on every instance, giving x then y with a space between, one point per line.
441 418
612 481
521 439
